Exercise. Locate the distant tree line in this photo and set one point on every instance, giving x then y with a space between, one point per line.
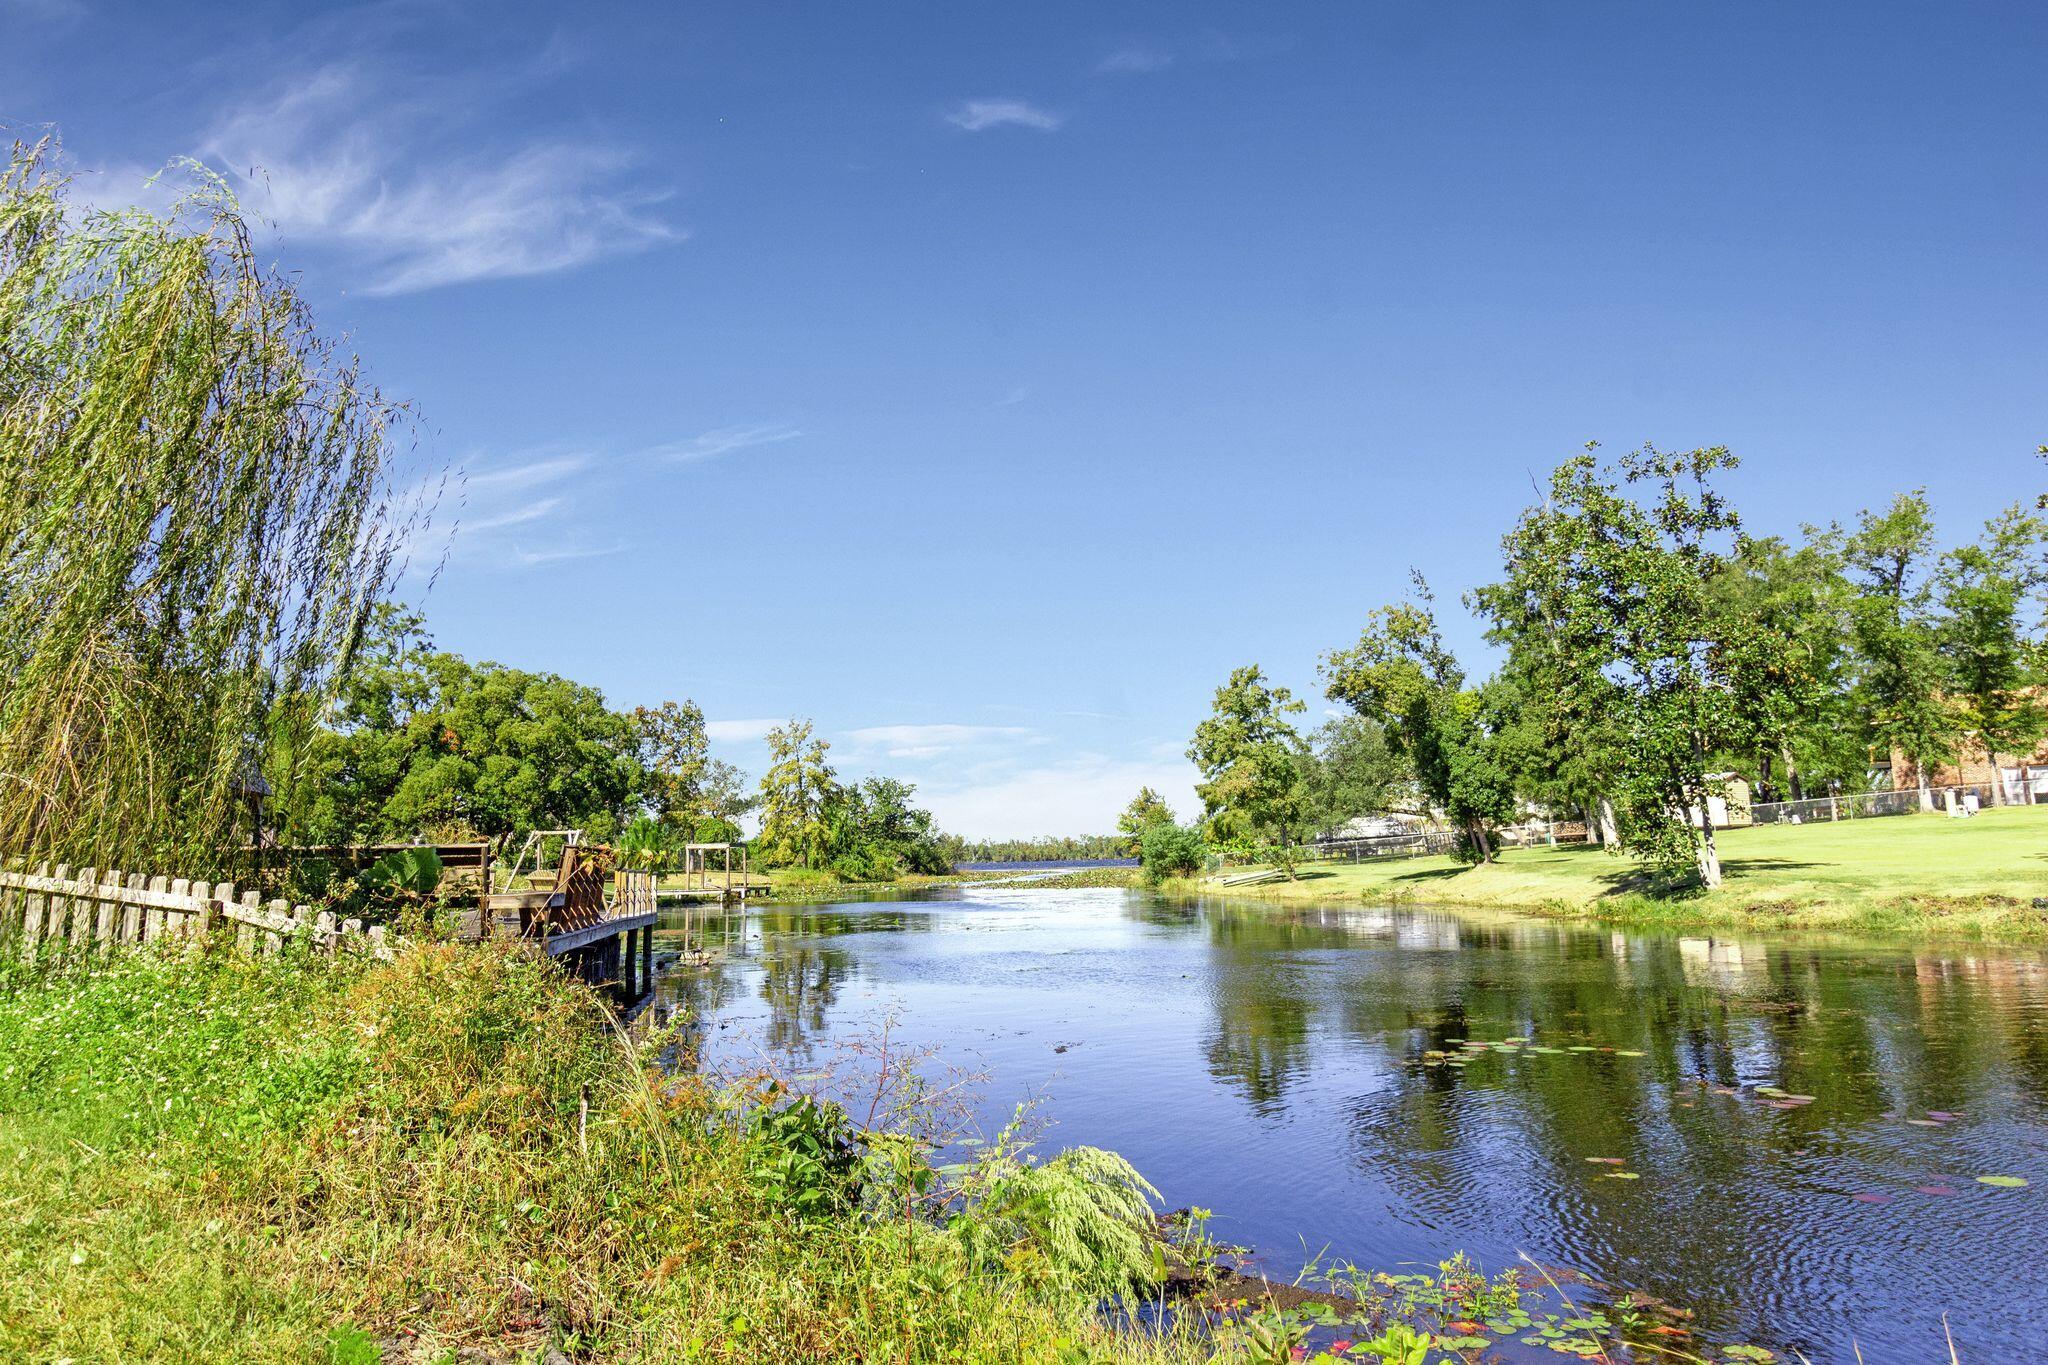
422 742
1045 849
1650 644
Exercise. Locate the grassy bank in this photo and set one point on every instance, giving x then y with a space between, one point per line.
1911 873
454 1158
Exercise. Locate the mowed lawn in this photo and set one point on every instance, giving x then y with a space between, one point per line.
1975 875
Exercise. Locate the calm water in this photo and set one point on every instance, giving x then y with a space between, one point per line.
1270 1065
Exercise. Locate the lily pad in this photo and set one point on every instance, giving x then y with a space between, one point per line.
1607 1160
2004 1182
1623 1175
1629 1052
1871 1197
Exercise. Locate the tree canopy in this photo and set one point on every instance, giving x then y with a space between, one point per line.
1252 761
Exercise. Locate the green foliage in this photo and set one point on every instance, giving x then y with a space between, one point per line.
1082 1220
1633 593
797 794
647 845
1171 851
1147 808
1353 771
1045 848
218 1141
1401 677
1252 761
866 832
414 872
803 1156
424 740
1993 654
1789 668
675 762
194 516
1900 676
401 887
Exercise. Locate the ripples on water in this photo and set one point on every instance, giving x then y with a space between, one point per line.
1271 1066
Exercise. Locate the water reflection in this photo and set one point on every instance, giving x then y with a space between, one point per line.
1316 1077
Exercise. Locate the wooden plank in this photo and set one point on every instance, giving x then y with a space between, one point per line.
223 897
107 923
169 900
570 941
245 928
201 920
131 910
250 913
32 918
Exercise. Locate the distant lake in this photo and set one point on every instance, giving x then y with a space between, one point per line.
1288 1069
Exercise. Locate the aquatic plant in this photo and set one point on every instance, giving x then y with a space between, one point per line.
1081 1219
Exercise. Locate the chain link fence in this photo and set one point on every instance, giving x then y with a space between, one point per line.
1862 805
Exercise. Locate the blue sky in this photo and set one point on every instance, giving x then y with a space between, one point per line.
985 382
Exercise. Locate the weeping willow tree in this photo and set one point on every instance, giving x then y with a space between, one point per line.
195 515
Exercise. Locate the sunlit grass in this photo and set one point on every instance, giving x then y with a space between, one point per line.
1976 876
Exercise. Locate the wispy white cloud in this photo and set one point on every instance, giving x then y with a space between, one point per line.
928 741
338 157
978 116
739 731
529 557
519 514
1013 397
1134 59
533 473
725 440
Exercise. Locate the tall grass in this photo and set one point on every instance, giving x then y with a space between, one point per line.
203 1158
194 515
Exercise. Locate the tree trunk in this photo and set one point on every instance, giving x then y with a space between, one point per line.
1997 777
1477 829
1792 781
1610 830
1766 789
1926 791
1709 856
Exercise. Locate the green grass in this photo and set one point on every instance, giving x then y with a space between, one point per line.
1915 873
208 1159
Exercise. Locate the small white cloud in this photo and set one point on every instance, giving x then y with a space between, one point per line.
1014 396
725 440
1134 59
739 731
980 115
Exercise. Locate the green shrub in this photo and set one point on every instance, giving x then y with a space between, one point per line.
1170 851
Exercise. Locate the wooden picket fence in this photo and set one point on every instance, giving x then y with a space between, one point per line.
53 912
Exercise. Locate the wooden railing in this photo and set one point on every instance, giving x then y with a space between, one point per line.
56 912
